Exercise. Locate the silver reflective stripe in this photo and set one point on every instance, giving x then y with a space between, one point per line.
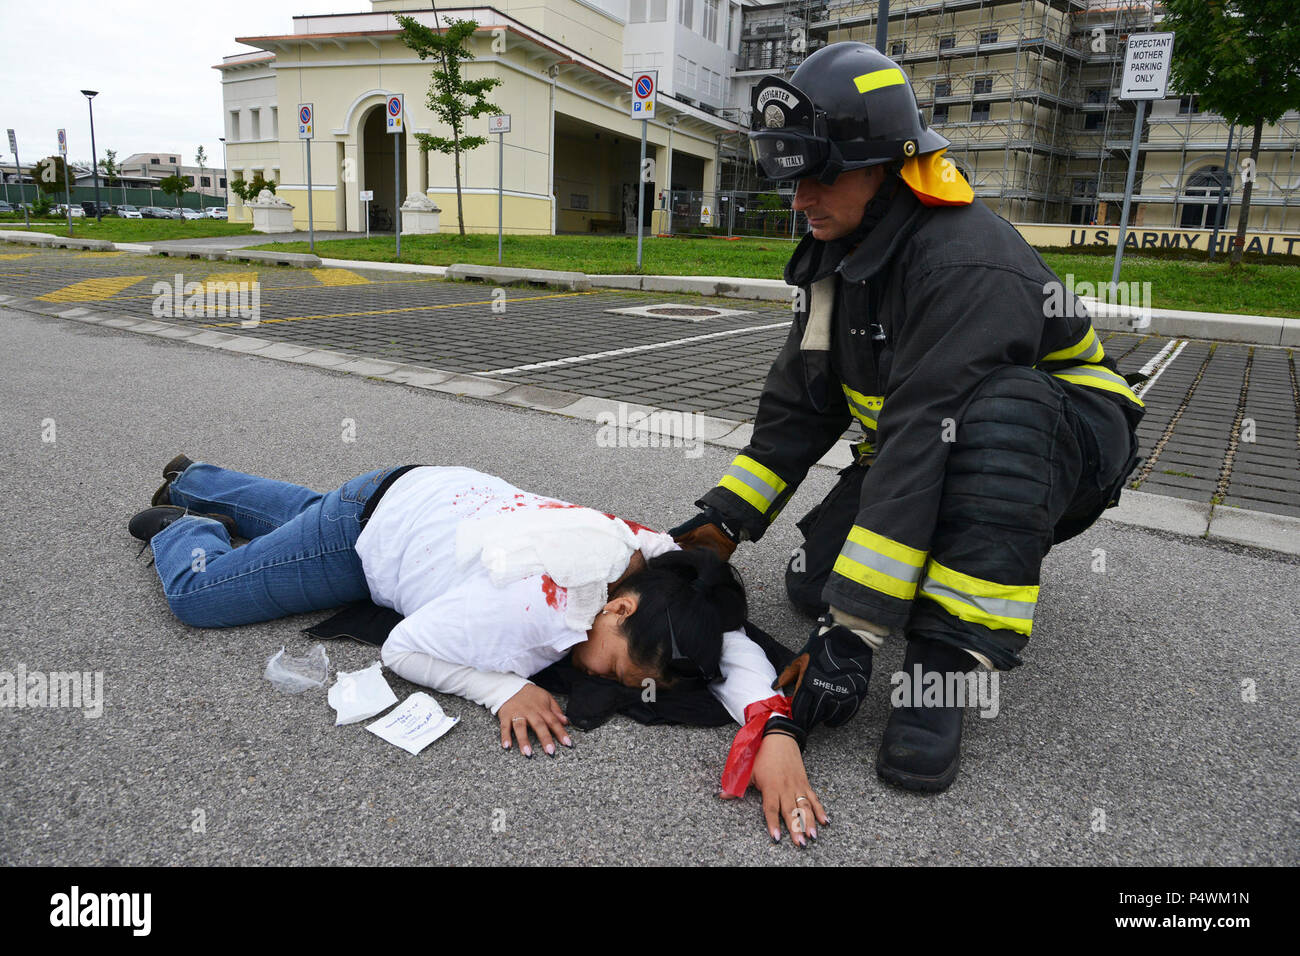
1103 374
764 490
880 562
864 414
996 607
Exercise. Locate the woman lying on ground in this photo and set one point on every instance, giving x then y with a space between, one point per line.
494 584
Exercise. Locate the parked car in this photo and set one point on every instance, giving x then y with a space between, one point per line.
217 212
5 207
152 212
188 213
129 212
89 208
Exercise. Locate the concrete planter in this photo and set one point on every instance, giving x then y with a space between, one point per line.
270 213
420 216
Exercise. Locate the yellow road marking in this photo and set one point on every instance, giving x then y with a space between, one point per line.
413 308
16 255
98 255
266 290
339 277
220 278
90 290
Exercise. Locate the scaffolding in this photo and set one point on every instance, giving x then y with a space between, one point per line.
1028 93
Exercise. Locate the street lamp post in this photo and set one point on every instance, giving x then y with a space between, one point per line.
94 160
227 172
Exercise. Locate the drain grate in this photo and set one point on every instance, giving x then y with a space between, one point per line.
680 313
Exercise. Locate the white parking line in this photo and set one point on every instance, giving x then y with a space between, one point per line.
592 356
1163 362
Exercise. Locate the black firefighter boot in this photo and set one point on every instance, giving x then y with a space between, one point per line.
921 749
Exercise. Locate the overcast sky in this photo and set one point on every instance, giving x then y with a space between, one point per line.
151 63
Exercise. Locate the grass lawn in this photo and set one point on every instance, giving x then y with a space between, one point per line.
1253 289
134 230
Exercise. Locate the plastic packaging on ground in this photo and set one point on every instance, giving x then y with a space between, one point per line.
293 675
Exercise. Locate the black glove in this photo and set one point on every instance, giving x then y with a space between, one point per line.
706 530
830 676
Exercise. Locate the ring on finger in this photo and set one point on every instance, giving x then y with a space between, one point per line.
804 799
513 719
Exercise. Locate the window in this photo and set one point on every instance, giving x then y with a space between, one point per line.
1202 197
658 11
1189 104
686 13
939 114
190 180
692 79
154 162
173 160
275 122
983 84
205 181
989 36
222 182
255 124
1093 121
948 42
711 20
979 113
636 11
234 126
679 73
943 88
736 24
897 49
1097 95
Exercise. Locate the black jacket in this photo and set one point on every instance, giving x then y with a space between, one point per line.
897 333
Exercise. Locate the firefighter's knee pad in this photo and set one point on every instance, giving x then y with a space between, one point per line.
1001 465
824 530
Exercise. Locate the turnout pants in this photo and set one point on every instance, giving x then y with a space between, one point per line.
1036 461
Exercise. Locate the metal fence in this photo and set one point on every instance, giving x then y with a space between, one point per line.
14 193
732 213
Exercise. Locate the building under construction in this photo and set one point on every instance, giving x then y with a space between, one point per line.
1028 93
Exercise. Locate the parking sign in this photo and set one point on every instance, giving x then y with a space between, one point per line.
644 89
396 111
305 120
63 143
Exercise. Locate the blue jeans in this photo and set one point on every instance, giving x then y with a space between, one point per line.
301 555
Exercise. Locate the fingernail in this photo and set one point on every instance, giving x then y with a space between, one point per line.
505 745
567 742
528 752
812 834
776 836
550 749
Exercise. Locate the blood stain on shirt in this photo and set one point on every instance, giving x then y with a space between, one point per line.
556 596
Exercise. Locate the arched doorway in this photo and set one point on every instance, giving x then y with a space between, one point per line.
1201 198
376 172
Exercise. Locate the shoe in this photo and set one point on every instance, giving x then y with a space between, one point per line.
921 748
170 472
149 522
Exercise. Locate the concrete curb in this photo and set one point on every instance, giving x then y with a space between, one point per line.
658 427
505 275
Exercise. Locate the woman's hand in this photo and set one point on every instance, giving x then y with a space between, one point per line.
787 796
535 708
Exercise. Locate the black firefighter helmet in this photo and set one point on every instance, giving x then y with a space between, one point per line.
848 106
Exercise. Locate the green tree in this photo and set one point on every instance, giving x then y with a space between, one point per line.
108 166
1242 58
49 174
201 160
175 186
452 98
248 191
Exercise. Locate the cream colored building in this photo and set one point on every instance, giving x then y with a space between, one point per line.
571 157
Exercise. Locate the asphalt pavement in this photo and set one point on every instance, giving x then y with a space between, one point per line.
1154 723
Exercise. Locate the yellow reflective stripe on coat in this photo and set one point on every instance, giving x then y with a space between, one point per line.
880 563
1098 376
756 484
1005 607
865 408
891 76
1087 349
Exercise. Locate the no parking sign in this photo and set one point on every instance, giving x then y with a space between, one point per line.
396 111
305 116
643 94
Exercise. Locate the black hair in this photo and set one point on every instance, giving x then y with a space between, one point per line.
688 598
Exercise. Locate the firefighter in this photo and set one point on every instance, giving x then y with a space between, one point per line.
993 423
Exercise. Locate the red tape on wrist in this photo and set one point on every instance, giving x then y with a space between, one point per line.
744 749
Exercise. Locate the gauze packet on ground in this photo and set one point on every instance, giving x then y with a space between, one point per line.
414 725
357 695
